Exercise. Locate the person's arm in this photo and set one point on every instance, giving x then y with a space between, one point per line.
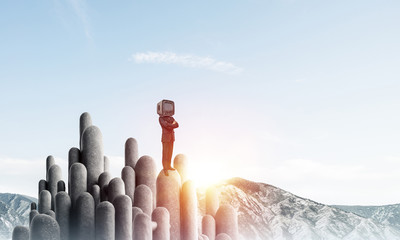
165 124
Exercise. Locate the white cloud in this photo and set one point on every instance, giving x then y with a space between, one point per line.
186 60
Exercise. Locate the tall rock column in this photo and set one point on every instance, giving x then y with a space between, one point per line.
131 152
129 178
54 175
78 177
189 211
44 227
85 121
226 221
105 221
92 154
63 213
146 173
160 215
123 217
208 227
168 196
20 233
73 157
181 165
85 216
212 201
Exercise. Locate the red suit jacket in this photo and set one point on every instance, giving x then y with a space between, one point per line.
168 124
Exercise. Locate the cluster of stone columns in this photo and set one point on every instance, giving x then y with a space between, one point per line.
142 204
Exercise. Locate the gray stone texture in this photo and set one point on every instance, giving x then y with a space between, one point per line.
131 152
32 214
44 227
20 233
73 157
42 186
181 165
146 173
92 154
212 201
51 213
49 162
84 121
115 188
129 178
208 226
104 179
44 201
135 211
61 186
33 206
123 217
104 193
78 177
168 196
226 221
203 237
63 213
95 192
160 215
144 199
143 227
85 217
54 175
189 211
105 221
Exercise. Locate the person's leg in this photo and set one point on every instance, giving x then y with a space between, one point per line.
165 157
170 151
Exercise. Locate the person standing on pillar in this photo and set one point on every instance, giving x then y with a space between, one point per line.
166 109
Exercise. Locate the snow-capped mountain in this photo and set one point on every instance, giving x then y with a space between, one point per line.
264 212
267 212
14 210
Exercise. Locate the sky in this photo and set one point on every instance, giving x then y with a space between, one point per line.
302 95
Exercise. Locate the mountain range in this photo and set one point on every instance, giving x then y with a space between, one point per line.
264 212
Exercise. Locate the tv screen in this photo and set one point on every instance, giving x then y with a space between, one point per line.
168 107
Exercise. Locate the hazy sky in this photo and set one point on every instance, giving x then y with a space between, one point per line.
303 95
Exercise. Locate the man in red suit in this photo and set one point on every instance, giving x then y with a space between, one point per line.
168 125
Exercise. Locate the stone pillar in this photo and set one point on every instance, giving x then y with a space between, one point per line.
212 201
128 176
20 233
131 152
226 221
85 212
44 227
105 221
123 217
92 154
143 199
160 215
115 188
106 164
49 162
181 165
143 227
78 176
104 193
51 213
33 206
63 213
168 196
61 186
42 186
146 173
135 211
73 157
44 201
223 236
189 211
32 214
84 121
104 179
54 175
95 192
208 227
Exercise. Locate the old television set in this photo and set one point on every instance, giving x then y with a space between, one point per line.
166 108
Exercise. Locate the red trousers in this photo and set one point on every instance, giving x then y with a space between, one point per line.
167 154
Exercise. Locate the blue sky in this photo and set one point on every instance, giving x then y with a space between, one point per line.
303 95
